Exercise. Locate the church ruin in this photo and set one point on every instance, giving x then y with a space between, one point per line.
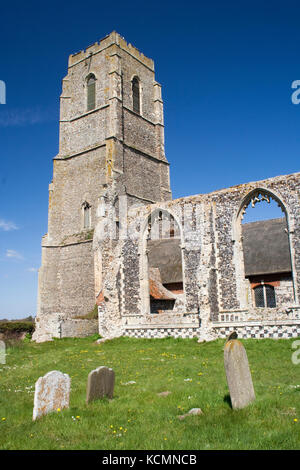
154 266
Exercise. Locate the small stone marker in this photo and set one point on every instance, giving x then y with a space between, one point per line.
100 383
164 394
238 374
52 392
192 412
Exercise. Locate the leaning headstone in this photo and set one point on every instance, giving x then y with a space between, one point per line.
52 393
100 384
238 374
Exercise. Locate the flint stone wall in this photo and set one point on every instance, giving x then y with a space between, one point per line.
112 151
108 148
213 269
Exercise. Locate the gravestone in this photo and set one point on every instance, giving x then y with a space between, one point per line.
100 384
2 352
238 374
52 393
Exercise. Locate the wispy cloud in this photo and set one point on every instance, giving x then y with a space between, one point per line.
13 254
19 117
32 270
7 225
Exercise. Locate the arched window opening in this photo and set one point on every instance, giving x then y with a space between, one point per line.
86 216
91 92
264 296
165 274
266 251
136 95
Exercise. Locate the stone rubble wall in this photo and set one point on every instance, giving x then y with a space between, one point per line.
110 152
213 271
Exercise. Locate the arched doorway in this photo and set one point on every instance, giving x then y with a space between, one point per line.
162 280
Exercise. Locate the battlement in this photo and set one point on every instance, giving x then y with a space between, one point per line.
109 40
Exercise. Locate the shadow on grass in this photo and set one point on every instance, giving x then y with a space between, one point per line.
227 400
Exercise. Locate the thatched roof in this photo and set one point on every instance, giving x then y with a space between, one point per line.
165 254
266 247
265 243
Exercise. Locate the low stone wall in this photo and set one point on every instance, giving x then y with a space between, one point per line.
54 326
78 328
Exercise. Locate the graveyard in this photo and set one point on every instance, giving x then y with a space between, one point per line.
155 383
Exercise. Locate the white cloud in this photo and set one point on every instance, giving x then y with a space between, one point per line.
26 116
13 254
32 270
6 225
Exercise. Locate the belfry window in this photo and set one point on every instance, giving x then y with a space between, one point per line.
91 92
265 296
136 95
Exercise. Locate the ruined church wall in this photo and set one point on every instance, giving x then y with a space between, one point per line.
213 271
284 291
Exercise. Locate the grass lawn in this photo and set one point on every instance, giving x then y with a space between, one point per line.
137 418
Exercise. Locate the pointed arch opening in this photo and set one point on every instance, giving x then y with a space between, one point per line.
263 251
162 279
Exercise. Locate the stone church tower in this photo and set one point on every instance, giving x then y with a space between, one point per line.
187 267
111 138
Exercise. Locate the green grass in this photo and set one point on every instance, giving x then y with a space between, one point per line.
137 418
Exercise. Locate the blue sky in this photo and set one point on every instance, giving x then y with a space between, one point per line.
226 69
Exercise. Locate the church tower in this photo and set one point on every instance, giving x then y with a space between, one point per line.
111 134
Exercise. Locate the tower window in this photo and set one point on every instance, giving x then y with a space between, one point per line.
265 296
91 92
136 95
86 215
